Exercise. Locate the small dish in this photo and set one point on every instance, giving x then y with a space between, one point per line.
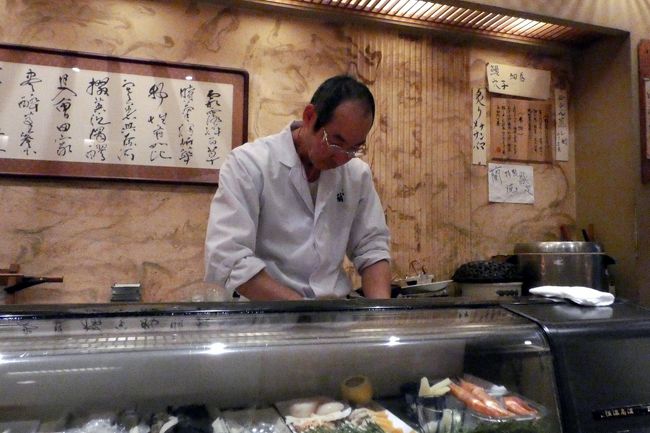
436 286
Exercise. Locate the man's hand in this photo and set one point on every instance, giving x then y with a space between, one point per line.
264 288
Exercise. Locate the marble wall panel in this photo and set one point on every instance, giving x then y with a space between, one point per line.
96 233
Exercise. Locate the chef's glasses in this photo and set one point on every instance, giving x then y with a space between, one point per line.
355 152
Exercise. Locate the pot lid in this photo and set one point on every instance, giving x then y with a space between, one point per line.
558 247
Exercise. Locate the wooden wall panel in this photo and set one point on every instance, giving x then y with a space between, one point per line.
419 147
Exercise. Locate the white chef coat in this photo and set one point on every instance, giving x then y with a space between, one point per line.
263 217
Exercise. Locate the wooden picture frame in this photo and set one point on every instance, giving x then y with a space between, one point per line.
644 107
151 120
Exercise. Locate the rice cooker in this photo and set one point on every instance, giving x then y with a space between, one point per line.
563 264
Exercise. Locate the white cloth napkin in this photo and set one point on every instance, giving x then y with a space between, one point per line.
578 294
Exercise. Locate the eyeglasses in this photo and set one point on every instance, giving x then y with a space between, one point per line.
356 152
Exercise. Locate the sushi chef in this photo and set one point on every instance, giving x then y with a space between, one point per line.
290 206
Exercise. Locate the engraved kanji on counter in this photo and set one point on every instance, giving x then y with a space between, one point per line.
520 130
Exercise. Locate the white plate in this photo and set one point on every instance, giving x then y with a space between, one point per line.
428 287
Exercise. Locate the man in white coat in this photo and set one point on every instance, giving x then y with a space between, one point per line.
290 206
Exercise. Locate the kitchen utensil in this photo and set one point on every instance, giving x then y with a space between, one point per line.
563 264
16 282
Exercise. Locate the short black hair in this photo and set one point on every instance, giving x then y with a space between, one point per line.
336 90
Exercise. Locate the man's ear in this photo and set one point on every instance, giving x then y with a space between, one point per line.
309 116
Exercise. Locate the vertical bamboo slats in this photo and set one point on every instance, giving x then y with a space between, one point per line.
419 146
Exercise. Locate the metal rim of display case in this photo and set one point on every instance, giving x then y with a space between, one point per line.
66 311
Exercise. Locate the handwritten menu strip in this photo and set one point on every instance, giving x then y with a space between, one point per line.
561 125
114 118
518 81
510 184
519 130
480 126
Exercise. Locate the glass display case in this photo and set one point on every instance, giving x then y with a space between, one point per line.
349 366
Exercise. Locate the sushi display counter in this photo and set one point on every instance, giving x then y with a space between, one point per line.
353 366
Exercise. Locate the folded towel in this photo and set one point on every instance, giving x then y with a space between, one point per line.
578 294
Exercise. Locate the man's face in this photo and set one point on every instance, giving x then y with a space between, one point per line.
345 133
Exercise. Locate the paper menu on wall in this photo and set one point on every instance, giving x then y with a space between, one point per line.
510 184
518 81
561 125
480 126
519 130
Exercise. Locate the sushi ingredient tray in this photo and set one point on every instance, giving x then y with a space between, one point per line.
490 402
252 420
323 415
477 406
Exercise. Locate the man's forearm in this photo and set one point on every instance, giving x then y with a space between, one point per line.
375 280
262 287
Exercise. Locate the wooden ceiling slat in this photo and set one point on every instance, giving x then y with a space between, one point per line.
523 29
371 4
397 7
485 19
442 18
495 25
404 8
561 33
440 11
433 13
361 4
456 16
512 26
469 20
551 32
546 30
378 6
418 9
427 16
505 25
539 26
390 6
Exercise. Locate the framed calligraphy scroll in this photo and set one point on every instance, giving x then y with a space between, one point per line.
82 115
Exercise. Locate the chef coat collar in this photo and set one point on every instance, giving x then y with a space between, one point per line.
288 154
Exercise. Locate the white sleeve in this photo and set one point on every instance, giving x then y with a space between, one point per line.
369 236
232 226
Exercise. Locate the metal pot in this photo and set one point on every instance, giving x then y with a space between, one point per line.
563 264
